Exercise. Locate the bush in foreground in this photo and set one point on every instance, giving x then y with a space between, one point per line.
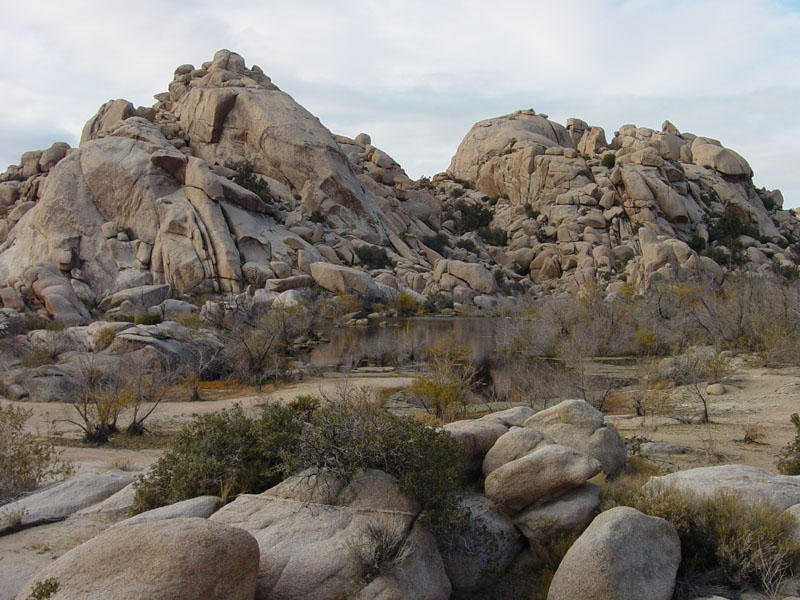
25 462
225 454
229 453
724 541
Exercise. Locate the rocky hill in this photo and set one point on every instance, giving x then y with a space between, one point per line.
227 186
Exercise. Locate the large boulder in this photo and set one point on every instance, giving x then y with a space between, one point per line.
314 530
286 142
709 153
514 444
476 438
161 560
63 499
577 424
624 555
538 477
749 484
492 543
343 280
567 514
478 277
200 507
499 151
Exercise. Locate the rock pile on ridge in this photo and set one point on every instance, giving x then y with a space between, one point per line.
227 186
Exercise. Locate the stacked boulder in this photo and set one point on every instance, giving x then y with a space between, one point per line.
536 469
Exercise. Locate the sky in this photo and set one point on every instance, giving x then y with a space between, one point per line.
417 75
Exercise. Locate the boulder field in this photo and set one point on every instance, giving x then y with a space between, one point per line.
316 535
226 185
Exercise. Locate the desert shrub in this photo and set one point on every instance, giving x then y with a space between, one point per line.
724 541
789 460
316 216
147 319
373 257
466 244
190 320
344 438
494 236
440 300
609 160
42 590
248 179
530 212
105 337
405 303
473 216
38 355
697 243
448 378
381 548
25 461
225 454
436 242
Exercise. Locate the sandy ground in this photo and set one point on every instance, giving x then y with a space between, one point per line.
759 398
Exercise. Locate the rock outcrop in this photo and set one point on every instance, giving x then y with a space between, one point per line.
226 185
312 528
160 560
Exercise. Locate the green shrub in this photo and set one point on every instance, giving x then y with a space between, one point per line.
372 257
697 244
118 318
42 590
316 216
25 462
609 160
249 180
466 244
586 173
493 236
228 453
225 454
789 460
405 303
147 319
437 242
105 337
347 438
530 212
473 216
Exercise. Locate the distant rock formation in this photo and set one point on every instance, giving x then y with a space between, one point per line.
227 186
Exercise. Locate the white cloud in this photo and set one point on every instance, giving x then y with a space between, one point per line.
416 75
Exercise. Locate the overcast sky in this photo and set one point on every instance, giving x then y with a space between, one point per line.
416 75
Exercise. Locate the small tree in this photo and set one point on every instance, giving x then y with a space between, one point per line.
202 351
149 380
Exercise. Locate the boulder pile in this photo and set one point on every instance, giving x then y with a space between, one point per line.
226 185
